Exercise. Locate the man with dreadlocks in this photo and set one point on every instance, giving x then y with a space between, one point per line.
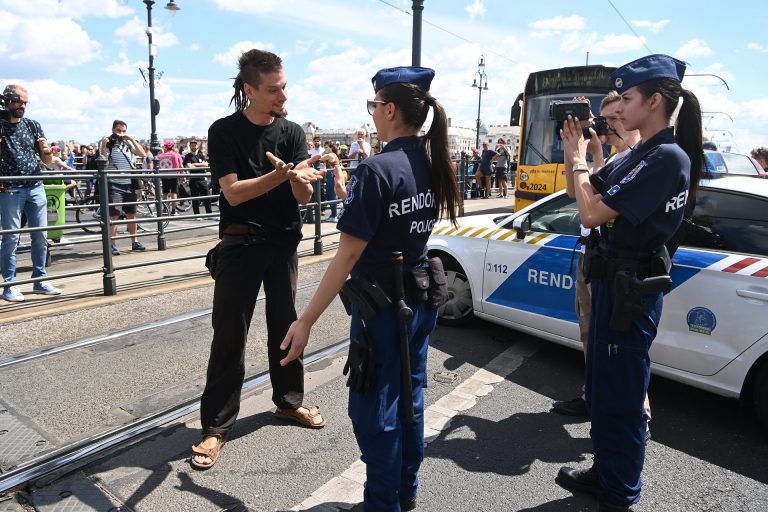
251 154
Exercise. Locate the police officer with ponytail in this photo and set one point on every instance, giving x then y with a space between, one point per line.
394 199
639 203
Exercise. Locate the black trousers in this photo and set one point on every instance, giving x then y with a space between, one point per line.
197 188
242 266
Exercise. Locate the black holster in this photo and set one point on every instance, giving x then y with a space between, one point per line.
361 363
437 294
628 296
368 296
211 259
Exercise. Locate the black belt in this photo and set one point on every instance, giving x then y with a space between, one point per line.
242 230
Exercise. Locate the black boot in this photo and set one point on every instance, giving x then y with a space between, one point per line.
574 407
407 504
579 480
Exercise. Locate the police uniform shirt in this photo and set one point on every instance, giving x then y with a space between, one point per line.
649 189
236 145
392 206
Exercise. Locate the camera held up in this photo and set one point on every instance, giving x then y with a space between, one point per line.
560 110
113 140
5 99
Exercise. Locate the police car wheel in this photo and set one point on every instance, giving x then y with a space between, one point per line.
760 395
458 310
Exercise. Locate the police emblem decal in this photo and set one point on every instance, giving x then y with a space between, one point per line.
701 320
352 186
631 174
618 83
613 190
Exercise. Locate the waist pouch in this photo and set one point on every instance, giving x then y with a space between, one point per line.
210 260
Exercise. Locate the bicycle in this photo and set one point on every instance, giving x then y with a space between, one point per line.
89 210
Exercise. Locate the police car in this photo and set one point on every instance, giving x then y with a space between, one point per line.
519 270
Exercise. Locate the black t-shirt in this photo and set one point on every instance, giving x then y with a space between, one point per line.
236 145
192 158
391 204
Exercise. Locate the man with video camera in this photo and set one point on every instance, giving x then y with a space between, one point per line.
121 150
23 151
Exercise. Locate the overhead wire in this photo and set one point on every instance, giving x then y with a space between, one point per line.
629 25
474 43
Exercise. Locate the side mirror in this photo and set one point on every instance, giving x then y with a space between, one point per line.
521 225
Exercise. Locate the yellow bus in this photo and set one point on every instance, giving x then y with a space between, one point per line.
540 169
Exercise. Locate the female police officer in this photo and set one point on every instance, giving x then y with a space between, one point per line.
394 199
638 202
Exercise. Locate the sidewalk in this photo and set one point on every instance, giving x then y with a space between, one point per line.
88 291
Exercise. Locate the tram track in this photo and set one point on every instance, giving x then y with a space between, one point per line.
97 340
72 456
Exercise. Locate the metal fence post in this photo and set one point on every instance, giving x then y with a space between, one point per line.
109 282
159 208
463 181
318 248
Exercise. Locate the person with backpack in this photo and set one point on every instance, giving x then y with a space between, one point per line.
23 152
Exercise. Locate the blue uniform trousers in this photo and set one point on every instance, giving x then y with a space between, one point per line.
391 448
617 376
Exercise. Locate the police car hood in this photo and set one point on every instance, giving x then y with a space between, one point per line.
479 221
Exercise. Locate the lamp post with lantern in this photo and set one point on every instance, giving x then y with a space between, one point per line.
481 82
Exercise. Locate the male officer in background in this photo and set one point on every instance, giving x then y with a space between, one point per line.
22 147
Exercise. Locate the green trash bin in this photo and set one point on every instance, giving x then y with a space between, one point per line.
54 193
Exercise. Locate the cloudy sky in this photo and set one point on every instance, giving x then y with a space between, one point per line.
80 59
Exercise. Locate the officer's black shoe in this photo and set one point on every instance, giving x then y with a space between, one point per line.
579 480
407 504
575 407
606 507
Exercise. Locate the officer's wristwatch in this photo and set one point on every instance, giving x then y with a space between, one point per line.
580 168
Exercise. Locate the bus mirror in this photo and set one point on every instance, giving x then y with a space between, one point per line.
514 115
521 225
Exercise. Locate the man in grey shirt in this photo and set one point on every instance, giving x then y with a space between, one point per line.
121 150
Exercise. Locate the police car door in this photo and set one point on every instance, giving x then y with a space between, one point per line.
717 307
529 282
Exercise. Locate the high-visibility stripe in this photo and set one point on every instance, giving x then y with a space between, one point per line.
538 238
763 272
465 231
506 235
440 230
489 235
473 235
740 265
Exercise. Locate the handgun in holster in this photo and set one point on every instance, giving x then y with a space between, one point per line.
368 296
593 263
628 292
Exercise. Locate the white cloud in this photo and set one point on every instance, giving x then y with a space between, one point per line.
652 26
617 43
577 41
136 29
758 47
694 48
560 23
124 67
475 9
230 57
59 9
43 47
194 47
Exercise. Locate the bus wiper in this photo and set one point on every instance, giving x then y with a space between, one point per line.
529 144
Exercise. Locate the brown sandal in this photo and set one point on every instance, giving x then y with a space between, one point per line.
309 418
211 453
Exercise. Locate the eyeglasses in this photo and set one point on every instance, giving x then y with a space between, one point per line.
19 102
371 104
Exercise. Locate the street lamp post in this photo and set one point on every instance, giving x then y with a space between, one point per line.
154 105
481 82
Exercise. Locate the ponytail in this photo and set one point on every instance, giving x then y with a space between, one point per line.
689 137
688 130
444 177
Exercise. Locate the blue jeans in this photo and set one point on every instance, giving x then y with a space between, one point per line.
33 202
330 192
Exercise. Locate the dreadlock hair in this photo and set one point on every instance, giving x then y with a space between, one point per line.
251 65
688 130
414 104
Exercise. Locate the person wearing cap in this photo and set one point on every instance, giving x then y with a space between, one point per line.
394 199
169 162
120 149
261 162
639 204
198 185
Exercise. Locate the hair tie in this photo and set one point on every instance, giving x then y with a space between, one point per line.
676 112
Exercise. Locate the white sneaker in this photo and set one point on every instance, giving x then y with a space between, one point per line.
13 294
46 288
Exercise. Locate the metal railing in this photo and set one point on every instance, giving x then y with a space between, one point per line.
158 217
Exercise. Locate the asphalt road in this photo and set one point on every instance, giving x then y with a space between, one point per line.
502 453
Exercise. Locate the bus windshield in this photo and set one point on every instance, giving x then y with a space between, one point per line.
542 144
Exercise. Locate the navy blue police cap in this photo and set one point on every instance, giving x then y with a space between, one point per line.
420 77
647 68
